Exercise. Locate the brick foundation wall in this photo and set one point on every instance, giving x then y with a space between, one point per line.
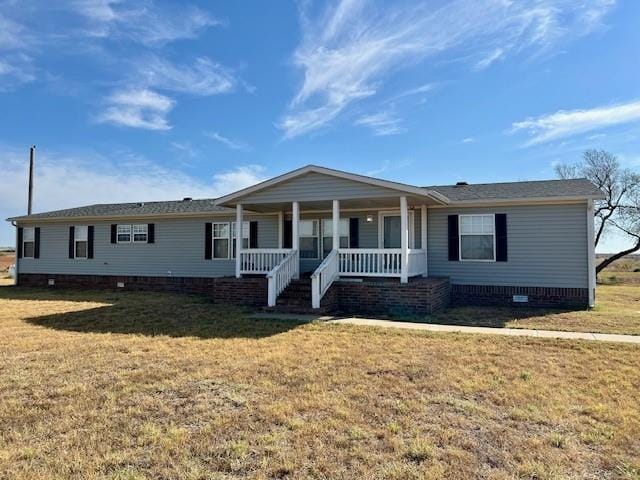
551 297
248 291
421 296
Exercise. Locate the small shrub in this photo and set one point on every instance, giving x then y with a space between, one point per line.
525 376
636 270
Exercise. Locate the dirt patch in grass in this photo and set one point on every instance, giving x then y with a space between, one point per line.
141 386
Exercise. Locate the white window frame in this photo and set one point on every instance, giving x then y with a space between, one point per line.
146 233
118 233
323 235
317 236
396 213
460 234
80 234
214 238
32 232
246 226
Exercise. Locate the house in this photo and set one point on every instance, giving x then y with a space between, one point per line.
322 238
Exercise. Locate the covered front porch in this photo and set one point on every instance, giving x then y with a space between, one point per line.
336 231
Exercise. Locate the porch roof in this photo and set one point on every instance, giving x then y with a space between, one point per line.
315 187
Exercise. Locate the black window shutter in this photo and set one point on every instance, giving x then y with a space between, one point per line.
208 239
454 244
287 230
151 233
90 241
253 234
19 246
114 233
36 243
501 237
354 233
72 233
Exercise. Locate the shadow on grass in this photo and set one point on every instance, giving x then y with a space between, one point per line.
145 313
482 316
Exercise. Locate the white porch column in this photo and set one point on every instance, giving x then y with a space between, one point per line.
404 229
423 239
591 253
336 224
280 228
295 220
238 239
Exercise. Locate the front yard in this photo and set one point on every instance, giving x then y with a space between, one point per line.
104 385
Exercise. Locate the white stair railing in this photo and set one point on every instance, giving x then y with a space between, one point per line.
261 260
281 275
323 277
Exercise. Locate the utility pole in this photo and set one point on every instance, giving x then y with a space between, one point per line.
32 154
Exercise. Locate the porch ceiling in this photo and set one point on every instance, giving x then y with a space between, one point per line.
382 203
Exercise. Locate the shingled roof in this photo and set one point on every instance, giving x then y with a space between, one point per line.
579 187
488 192
141 209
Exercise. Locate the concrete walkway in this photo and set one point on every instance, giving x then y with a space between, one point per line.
432 327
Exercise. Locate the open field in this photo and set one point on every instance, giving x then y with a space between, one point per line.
6 259
116 385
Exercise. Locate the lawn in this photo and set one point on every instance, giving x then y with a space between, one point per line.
117 385
617 311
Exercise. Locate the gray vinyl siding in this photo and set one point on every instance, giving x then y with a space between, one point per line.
316 187
178 250
547 247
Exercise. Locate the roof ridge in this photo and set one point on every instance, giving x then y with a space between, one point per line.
510 183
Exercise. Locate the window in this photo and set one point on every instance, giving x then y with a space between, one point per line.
477 237
245 236
308 235
124 233
28 242
80 242
220 237
327 235
140 233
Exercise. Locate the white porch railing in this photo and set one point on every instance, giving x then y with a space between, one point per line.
370 262
281 275
379 262
417 262
261 260
323 277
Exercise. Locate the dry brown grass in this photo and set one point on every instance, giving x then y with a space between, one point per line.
140 386
617 311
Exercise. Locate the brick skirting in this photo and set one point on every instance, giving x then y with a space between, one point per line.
552 297
421 296
248 291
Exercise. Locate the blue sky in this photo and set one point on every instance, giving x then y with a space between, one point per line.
156 100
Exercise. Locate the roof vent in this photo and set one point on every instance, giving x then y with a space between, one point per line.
187 199
461 184
140 204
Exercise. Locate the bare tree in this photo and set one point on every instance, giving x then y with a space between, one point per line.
620 209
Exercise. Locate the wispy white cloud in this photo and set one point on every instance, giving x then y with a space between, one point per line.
144 22
349 48
15 70
468 140
186 148
566 123
227 142
95 178
490 58
12 34
138 109
202 77
387 166
382 123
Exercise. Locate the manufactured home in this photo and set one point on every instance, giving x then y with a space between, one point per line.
318 238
